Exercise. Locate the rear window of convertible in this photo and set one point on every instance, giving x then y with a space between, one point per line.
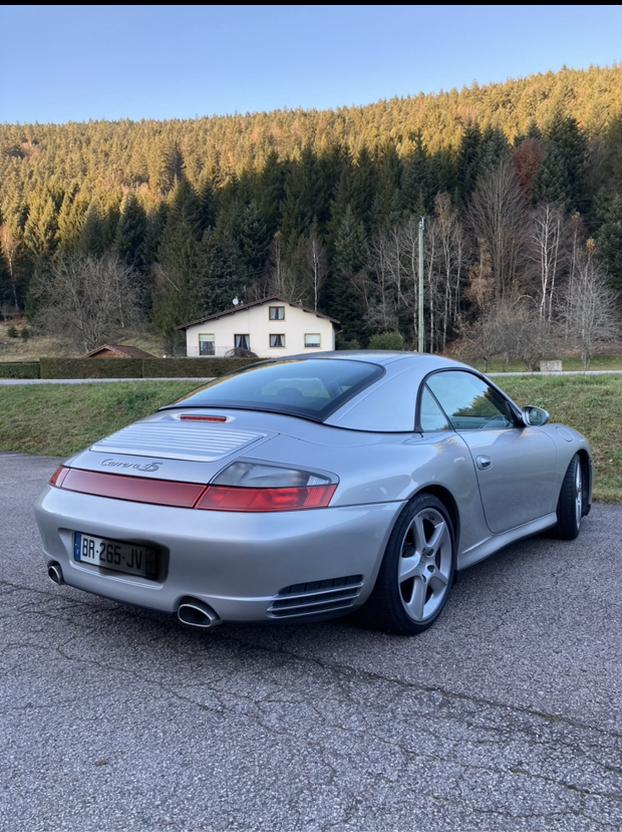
312 388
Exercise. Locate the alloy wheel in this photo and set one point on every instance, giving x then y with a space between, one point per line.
424 566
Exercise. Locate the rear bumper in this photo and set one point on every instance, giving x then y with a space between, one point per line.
236 563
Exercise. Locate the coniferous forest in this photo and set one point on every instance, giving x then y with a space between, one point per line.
520 184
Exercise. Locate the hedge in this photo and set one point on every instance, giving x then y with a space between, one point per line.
19 369
139 367
91 367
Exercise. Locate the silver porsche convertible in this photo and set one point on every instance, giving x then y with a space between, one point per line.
310 487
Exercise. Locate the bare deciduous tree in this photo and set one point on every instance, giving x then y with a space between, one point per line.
590 314
497 213
380 293
283 280
447 252
88 299
511 328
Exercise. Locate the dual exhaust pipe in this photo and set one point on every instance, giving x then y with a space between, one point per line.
191 611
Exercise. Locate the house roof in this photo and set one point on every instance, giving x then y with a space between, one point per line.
241 307
124 350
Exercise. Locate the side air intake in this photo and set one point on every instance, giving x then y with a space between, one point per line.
316 597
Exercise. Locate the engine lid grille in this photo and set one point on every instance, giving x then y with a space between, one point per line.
171 438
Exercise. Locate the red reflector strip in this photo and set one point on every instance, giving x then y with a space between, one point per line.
229 498
137 489
203 418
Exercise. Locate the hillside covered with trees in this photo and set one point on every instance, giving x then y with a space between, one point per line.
104 224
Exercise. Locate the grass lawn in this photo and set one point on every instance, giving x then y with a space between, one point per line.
599 362
592 405
57 420
60 419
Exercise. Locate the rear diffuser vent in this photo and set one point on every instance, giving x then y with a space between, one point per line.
315 597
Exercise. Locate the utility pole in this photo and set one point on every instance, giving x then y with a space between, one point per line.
420 323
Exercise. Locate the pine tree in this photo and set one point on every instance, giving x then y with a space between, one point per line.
177 260
342 298
165 166
271 192
563 171
386 209
468 161
493 149
218 270
40 231
416 184
610 242
130 241
364 185
91 238
207 204
303 195
252 242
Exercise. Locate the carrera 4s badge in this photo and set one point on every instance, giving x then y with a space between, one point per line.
147 467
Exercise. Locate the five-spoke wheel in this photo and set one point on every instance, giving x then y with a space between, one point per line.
417 570
425 564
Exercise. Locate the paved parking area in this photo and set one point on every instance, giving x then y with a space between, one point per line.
507 715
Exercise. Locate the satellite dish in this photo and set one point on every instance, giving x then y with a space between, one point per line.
236 300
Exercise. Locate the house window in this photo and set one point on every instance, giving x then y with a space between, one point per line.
276 313
277 340
242 342
313 339
207 344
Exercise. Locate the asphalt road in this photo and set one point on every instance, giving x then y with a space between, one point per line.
507 715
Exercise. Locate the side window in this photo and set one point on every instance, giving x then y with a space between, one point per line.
431 417
469 402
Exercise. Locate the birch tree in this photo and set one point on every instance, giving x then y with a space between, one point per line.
547 252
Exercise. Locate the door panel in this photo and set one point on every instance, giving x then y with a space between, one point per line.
515 466
519 482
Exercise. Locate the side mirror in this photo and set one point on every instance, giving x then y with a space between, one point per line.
534 417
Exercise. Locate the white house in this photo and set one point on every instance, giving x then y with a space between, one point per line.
270 328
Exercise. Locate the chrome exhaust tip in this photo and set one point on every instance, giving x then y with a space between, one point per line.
55 573
196 614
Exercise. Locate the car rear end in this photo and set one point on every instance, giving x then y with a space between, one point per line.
186 511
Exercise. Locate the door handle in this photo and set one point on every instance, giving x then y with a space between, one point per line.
483 462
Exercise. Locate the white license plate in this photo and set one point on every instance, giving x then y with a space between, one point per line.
112 554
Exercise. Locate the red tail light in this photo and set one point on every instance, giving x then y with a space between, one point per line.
58 476
229 498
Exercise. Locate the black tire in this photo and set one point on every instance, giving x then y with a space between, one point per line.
385 609
569 514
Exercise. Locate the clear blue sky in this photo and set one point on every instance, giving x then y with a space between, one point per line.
64 63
